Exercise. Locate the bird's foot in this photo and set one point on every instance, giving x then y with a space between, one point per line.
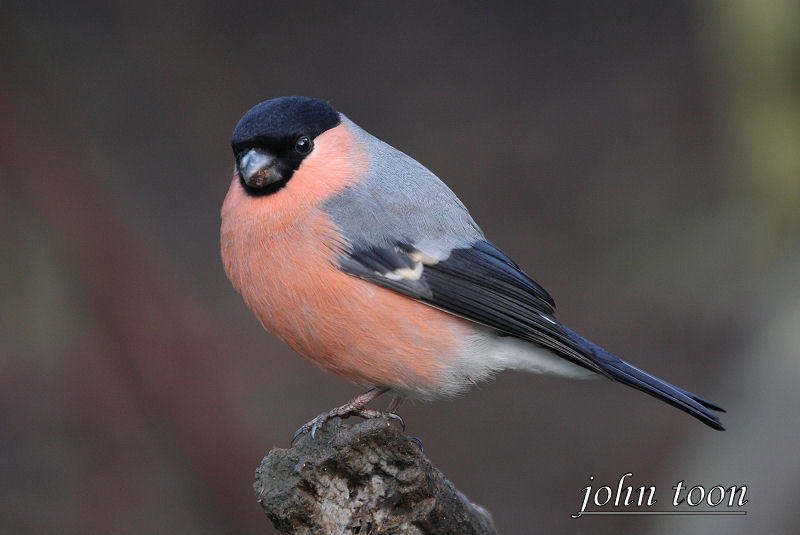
353 407
313 425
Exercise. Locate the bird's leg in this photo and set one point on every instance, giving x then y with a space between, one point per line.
394 404
354 406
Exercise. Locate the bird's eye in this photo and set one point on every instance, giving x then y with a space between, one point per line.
303 145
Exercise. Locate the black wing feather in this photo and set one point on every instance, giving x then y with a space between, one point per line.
481 284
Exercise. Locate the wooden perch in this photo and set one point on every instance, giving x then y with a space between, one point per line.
362 479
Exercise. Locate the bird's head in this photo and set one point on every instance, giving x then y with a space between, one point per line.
274 137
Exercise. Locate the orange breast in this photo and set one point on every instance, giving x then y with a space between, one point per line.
347 326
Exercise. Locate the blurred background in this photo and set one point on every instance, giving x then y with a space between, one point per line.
638 159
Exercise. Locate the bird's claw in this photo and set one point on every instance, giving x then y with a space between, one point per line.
303 430
397 417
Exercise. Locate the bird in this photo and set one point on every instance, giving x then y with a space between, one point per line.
364 262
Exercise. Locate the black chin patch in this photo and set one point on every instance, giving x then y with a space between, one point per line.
264 190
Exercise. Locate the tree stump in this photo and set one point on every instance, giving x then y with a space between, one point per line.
366 478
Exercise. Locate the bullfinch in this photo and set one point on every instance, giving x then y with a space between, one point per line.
361 260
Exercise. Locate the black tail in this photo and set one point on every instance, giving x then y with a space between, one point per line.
621 371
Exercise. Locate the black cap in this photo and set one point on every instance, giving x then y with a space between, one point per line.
282 118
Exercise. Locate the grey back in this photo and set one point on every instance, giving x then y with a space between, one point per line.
401 201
